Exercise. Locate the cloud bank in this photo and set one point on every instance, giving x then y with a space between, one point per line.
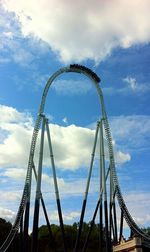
71 87
132 132
7 214
72 145
77 30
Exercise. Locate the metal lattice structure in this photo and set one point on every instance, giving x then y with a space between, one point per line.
110 218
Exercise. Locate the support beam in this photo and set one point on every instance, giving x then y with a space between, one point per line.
38 192
121 226
56 186
101 227
101 205
45 213
26 226
115 223
111 221
86 191
94 216
102 154
21 234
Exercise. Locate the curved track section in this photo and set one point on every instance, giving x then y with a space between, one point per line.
27 188
134 227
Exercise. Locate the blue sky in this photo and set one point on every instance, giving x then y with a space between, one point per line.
111 38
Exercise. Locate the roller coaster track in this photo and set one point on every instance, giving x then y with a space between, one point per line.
27 187
130 221
26 191
134 227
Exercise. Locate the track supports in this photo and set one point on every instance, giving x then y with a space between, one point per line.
46 215
38 191
86 191
103 192
94 215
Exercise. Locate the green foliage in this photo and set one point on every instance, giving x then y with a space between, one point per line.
48 242
147 230
4 229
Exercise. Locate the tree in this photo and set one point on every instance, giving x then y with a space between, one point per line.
47 244
4 230
146 230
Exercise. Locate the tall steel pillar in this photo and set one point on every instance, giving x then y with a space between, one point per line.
121 226
115 223
26 222
86 190
101 203
94 215
46 215
38 192
104 185
56 187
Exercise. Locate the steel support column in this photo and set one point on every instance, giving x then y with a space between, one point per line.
86 191
38 192
56 187
104 185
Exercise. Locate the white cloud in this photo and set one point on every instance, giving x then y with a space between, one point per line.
8 34
131 81
84 30
65 120
15 173
121 157
71 216
50 117
12 41
68 144
71 87
7 214
68 188
72 145
132 87
14 148
23 56
66 216
140 211
11 115
49 182
135 86
10 44
131 132
10 196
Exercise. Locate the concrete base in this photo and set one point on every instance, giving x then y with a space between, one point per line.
132 245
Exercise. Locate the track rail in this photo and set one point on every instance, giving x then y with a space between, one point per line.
26 191
130 221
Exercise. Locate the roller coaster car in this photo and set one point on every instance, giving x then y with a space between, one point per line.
87 70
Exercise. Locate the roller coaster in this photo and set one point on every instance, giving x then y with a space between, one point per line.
107 211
